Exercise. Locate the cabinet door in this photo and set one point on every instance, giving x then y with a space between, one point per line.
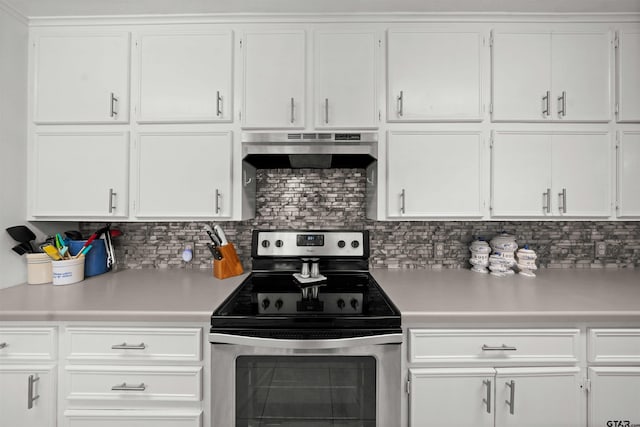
185 77
274 80
581 85
628 76
629 174
521 76
27 396
585 190
434 76
346 70
521 174
434 174
81 174
184 175
534 397
451 397
614 396
82 78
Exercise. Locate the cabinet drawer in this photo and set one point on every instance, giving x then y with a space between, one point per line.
105 418
493 345
614 345
135 383
28 344
128 344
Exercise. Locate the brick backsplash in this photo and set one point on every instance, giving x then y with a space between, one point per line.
335 198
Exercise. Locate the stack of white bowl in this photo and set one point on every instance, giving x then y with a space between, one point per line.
480 251
502 259
527 261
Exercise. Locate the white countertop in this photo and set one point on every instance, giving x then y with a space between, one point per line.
421 296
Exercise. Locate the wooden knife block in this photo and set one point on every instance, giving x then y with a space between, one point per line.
229 265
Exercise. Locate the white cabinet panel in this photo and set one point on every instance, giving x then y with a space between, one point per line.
612 345
346 69
628 76
434 174
82 78
451 397
31 343
615 395
629 174
184 174
434 76
521 75
185 77
19 386
80 174
132 418
581 76
274 79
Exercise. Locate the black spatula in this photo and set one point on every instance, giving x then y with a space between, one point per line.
22 234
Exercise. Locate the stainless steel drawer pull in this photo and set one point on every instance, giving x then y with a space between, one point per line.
217 202
112 206
125 387
125 346
326 110
402 200
218 104
400 103
3 345
114 102
563 201
512 396
562 105
546 204
293 118
31 396
545 104
487 400
503 347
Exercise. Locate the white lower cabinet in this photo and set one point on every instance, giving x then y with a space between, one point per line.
27 396
97 418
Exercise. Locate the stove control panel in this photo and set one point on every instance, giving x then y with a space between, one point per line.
288 303
310 244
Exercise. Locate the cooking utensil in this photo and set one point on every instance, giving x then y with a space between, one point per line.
73 234
22 248
22 234
52 251
111 257
220 233
212 235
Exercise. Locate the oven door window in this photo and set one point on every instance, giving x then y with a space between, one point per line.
309 391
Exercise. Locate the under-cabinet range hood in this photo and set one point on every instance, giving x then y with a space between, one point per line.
273 150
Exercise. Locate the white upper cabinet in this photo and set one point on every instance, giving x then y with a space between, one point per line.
274 79
628 67
185 77
559 76
434 174
535 174
184 175
81 77
628 161
345 79
434 76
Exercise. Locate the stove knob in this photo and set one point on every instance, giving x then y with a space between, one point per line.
341 244
279 243
355 244
265 243
265 303
354 303
278 304
340 303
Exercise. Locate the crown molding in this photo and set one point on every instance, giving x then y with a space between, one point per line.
13 12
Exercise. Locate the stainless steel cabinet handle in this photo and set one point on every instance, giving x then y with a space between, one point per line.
114 102
31 396
562 105
512 396
326 110
218 104
293 118
503 347
400 103
125 346
402 200
125 387
217 201
112 206
563 201
487 400
546 204
545 103
3 345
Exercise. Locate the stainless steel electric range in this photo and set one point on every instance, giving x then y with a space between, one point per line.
309 338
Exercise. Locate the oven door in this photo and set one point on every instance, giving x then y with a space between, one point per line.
258 382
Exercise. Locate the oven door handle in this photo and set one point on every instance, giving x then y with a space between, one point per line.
217 338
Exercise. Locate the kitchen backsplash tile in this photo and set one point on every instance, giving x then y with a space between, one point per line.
335 198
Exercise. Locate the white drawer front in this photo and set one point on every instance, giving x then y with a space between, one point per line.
493 345
135 383
28 343
126 344
105 418
614 345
